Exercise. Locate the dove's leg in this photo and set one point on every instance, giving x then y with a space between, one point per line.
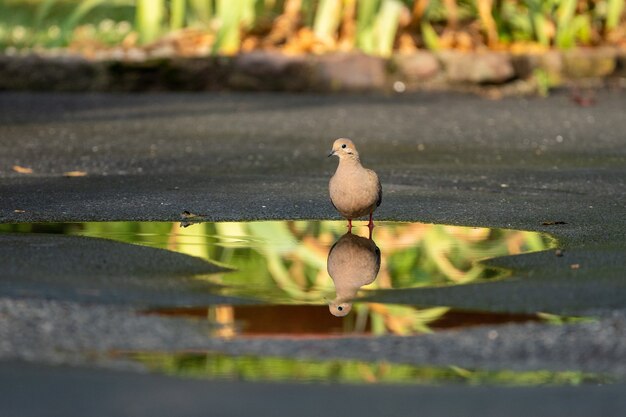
371 223
350 225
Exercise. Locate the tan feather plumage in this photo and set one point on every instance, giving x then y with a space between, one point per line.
355 191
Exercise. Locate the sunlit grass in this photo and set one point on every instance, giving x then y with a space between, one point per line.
373 26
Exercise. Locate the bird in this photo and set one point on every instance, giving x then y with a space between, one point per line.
353 261
355 191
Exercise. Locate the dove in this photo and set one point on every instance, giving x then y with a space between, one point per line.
355 191
353 261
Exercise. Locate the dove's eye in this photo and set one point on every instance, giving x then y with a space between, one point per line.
340 308
343 146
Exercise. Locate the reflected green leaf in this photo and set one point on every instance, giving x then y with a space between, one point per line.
252 368
284 262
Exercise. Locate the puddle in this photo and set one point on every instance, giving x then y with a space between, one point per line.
311 321
307 273
254 368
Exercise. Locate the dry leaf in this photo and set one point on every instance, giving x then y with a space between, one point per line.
186 214
74 174
189 219
22 170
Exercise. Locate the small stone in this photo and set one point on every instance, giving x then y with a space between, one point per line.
484 68
350 72
399 87
589 62
417 67
263 70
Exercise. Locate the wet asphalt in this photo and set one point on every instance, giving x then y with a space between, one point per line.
544 164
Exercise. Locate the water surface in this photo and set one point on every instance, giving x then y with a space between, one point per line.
313 277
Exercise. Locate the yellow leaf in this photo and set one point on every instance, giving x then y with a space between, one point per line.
74 174
22 170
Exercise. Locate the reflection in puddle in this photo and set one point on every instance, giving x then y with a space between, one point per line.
353 262
313 321
284 263
253 368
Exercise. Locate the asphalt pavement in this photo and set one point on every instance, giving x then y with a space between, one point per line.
544 164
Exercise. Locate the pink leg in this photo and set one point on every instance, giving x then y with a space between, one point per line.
350 225
370 225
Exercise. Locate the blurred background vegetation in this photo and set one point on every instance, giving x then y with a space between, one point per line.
379 27
284 262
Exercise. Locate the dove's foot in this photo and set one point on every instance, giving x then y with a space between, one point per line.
370 225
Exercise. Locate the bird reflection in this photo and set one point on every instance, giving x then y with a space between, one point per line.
353 261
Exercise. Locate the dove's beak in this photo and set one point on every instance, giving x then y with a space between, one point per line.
331 153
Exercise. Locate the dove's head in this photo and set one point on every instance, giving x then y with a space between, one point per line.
339 309
344 149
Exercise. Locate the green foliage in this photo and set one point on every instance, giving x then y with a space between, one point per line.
549 23
566 31
561 320
202 10
254 368
615 9
177 14
232 15
327 19
43 10
377 25
366 19
149 19
430 37
386 27
539 20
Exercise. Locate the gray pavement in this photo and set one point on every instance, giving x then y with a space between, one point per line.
27 391
515 163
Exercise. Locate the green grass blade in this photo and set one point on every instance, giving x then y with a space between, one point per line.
308 12
148 20
80 12
430 37
614 13
387 26
43 10
177 14
229 16
248 13
565 37
327 19
366 17
202 10
540 25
